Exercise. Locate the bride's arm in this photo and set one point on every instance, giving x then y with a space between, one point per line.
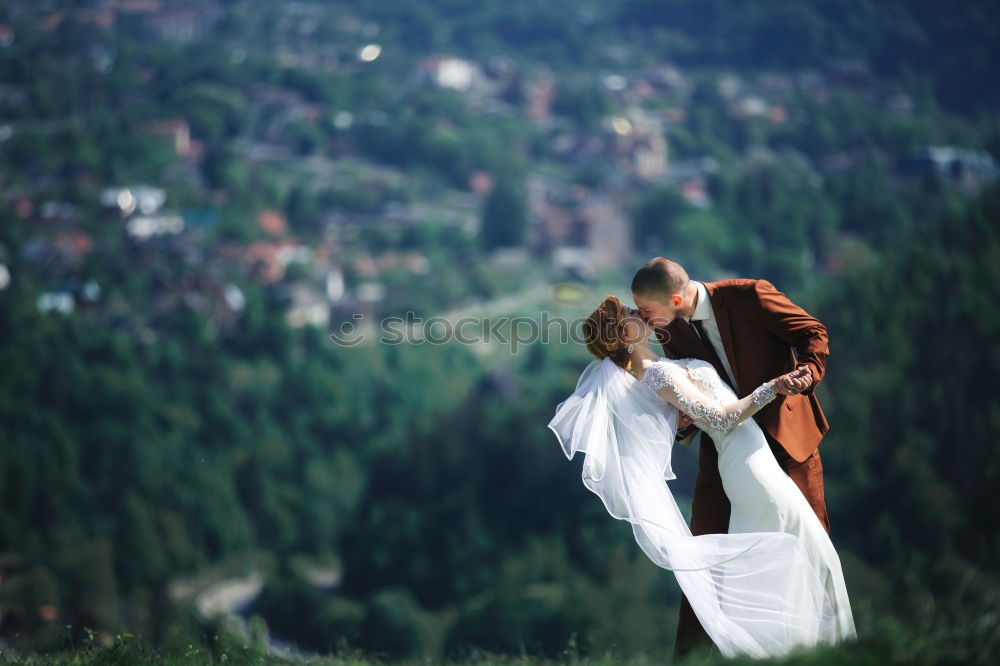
674 386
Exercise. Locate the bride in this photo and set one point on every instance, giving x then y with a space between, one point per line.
774 583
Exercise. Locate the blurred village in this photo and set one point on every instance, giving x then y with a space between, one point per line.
322 248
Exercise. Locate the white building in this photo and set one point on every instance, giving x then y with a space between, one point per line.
56 301
142 227
127 200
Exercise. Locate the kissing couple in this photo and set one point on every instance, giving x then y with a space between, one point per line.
739 365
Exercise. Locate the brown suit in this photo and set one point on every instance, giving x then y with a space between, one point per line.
759 328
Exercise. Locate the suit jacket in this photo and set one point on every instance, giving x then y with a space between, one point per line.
760 328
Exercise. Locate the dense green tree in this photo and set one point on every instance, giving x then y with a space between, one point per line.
583 100
504 216
911 396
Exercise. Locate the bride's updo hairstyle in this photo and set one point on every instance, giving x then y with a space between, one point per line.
604 329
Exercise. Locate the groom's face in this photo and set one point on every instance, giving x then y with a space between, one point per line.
657 312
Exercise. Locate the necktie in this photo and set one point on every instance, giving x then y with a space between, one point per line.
710 354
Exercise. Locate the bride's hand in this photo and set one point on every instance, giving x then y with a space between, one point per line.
794 382
684 421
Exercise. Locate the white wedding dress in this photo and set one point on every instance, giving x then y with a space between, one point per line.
774 583
763 497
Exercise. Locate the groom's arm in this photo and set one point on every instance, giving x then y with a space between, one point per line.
796 327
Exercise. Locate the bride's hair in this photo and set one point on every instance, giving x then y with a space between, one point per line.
603 331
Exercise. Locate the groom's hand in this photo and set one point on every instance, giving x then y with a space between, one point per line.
795 382
685 429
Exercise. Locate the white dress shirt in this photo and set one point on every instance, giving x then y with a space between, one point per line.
703 311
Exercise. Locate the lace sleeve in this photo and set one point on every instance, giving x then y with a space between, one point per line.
672 382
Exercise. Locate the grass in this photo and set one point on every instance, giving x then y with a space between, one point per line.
130 651
888 641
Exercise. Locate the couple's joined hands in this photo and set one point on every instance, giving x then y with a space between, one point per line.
791 383
794 382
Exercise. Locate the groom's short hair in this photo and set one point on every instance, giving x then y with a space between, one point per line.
659 278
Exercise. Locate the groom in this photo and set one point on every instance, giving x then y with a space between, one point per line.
751 333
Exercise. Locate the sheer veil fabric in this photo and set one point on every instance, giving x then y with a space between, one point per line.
756 594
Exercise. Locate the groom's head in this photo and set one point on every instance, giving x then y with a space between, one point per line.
659 291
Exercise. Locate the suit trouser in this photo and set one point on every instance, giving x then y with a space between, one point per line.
710 515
